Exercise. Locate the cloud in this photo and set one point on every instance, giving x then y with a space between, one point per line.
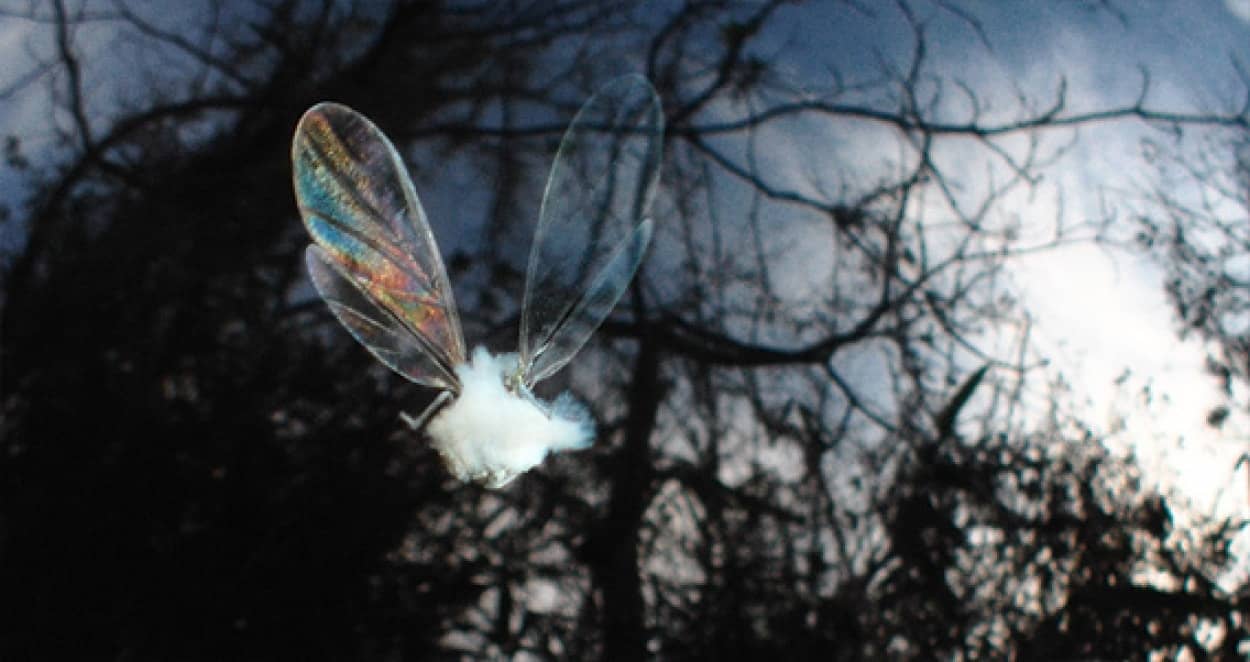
1239 8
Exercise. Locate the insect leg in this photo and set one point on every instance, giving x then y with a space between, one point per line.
416 423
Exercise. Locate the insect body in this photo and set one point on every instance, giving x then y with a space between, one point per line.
375 263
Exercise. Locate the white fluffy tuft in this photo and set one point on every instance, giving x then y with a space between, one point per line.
490 435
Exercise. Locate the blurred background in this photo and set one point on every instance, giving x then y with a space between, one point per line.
941 349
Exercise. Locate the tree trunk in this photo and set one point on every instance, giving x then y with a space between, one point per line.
614 549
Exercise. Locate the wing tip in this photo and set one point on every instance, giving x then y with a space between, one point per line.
321 118
325 109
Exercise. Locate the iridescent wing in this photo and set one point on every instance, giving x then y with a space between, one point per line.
590 240
375 261
386 338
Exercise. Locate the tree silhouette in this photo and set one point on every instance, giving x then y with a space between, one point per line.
1201 234
805 460
1194 223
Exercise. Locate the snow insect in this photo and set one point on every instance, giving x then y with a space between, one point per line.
376 264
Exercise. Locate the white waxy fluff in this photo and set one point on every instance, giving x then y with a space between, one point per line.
491 435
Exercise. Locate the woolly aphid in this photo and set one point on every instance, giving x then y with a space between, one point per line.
375 263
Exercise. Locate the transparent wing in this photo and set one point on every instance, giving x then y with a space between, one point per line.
375 262
589 240
385 337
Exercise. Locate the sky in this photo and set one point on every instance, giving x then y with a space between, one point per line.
1103 313
1100 314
